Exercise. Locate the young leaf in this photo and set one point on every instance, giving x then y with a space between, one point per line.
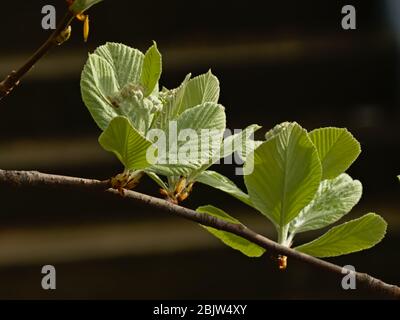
337 149
352 236
272 133
240 142
127 62
126 143
171 106
243 245
201 89
80 6
251 145
283 174
97 83
218 181
209 116
108 70
151 71
334 199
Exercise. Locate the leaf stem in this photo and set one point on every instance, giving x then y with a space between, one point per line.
283 235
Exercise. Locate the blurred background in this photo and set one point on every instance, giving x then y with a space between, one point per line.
277 61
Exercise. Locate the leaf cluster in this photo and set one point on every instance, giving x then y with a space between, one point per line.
295 178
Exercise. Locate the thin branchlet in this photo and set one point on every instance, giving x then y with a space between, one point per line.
35 179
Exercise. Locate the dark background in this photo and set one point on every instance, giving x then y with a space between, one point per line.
277 61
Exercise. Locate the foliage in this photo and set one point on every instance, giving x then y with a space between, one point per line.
120 87
295 178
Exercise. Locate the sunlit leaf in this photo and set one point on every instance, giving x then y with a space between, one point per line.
334 199
110 69
201 89
236 242
172 102
218 181
151 71
337 149
352 236
283 175
190 153
241 142
126 143
97 84
127 62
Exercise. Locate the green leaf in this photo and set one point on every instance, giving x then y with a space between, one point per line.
349 237
243 245
108 71
151 72
240 142
276 130
337 149
80 6
98 82
201 89
126 62
249 148
126 143
218 181
189 154
334 199
283 175
172 105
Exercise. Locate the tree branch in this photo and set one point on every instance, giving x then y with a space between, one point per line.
35 179
13 79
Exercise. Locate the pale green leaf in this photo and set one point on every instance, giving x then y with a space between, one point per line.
283 175
337 149
172 102
109 74
201 89
240 142
352 236
218 181
191 152
272 133
334 199
127 62
236 242
177 170
80 6
151 71
98 83
126 143
249 148
208 121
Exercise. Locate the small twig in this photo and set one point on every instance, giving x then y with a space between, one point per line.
34 179
13 79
